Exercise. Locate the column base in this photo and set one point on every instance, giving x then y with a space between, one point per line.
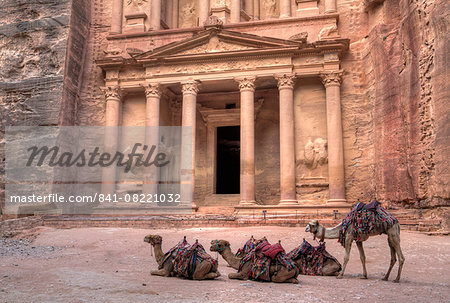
337 201
188 203
250 202
288 202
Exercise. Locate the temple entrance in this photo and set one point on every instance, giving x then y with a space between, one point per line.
228 160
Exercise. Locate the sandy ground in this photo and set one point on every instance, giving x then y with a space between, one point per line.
113 265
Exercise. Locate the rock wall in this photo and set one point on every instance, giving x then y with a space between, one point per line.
404 59
42 49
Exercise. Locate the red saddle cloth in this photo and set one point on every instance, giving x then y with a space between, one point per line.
272 251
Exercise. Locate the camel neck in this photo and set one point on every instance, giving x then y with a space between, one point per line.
158 253
330 233
231 259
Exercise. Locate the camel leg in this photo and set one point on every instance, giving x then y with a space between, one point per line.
160 272
238 276
362 256
393 259
398 250
241 275
348 247
284 275
202 272
330 268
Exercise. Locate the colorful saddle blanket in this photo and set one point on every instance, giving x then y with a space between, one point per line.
262 257
312 258
248 247
365 219
182 245
187 259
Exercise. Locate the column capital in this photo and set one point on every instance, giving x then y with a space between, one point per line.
112 92
286 80
246 83
152 89
190 87
331 78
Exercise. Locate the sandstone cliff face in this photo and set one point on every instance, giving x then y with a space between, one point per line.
33 40
395 97
42 49
406 69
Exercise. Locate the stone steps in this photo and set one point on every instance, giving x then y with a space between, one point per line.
422 225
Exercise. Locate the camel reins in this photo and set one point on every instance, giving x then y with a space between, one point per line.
322 237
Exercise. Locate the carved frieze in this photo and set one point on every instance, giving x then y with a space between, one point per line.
220 66
214 45
132 74
112 75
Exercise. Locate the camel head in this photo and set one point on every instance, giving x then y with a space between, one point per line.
219 245
153 239
312 226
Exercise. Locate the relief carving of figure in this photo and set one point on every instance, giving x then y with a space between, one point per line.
221 3
188 15
316 153
136 2
328 31
271 7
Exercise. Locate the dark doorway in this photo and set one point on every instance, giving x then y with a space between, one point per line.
228 160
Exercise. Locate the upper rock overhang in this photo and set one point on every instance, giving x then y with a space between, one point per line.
209 45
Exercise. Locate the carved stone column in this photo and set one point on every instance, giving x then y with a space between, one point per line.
235 11
332 83
112 120
155 20
330 6
175 13
256 9
287 139
247 88
169 13
116 17
188 119
285 8
249 8
153 97
203 11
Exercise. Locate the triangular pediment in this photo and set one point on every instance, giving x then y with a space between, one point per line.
216 42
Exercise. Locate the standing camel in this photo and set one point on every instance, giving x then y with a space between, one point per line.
393 234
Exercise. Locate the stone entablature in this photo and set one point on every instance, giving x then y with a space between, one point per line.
220 54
